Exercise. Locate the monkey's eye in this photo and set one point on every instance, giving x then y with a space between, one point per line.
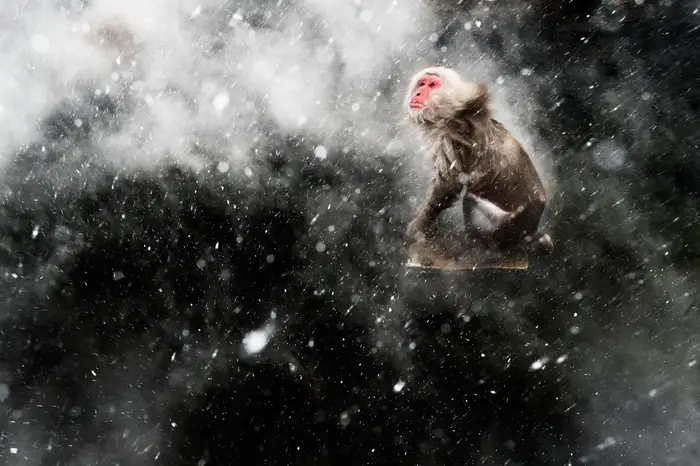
431 84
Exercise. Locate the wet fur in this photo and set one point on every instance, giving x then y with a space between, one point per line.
471 150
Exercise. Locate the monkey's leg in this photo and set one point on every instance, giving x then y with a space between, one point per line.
496 226
442 195
482 217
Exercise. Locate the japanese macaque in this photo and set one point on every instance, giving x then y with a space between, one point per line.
477 159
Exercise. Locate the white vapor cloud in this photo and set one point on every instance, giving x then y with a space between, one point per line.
204 75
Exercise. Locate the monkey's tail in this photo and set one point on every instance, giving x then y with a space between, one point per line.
541 242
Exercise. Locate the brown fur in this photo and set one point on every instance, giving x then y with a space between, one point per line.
471 150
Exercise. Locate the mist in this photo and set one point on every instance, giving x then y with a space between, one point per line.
203 205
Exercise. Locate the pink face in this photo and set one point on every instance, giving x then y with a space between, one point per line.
425 86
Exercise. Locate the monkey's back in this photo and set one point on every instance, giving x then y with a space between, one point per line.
500 170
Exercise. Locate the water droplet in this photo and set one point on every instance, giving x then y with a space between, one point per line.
539 364
221 101
366 16
256 341
320 152
40 43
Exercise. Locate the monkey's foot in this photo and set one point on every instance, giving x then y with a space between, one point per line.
540 242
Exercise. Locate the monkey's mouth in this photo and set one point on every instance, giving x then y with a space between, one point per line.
415 105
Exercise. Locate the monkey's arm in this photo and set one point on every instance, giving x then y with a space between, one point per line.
442 194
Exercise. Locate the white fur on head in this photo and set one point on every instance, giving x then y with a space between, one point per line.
444 102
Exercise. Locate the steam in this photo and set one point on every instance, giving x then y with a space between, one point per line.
204 75
44 56
198 79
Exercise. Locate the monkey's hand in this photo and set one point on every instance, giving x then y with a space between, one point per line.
513 215
466 179
416 230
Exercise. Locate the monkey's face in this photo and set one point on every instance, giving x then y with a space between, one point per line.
424 97
423 89
429 95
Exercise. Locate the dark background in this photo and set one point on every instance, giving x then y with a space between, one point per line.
126 294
